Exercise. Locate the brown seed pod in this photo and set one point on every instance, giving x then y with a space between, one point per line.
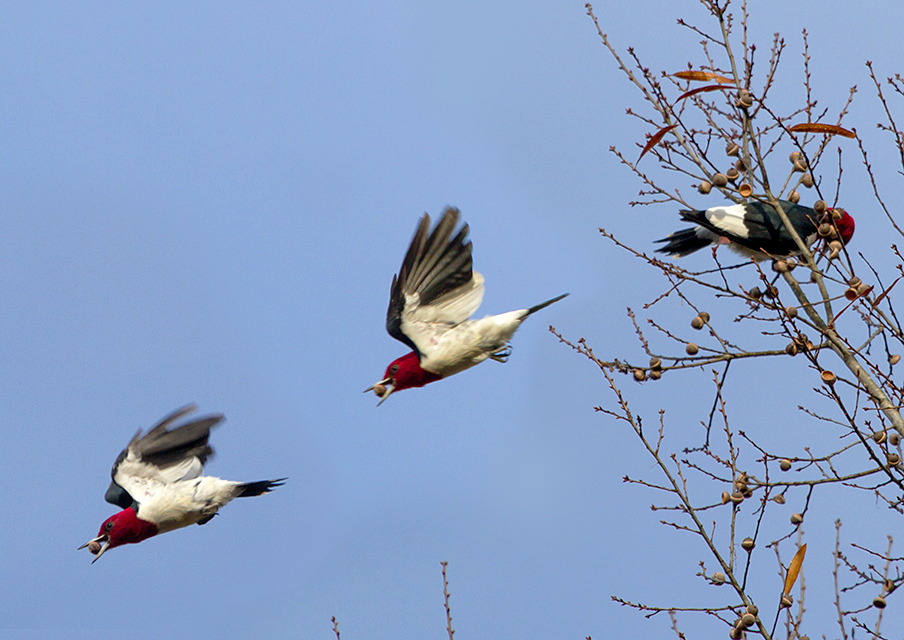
748 620
854 281
850 293
719 180
741 165
819 206
791 311
894 359
862 289
837 214
879 437
835 247
705 187
771 292
894 438
726 497
655 363
796 518
704 316
735 633
691 349
732 149
755 293
737 497
786 601
825 230
747 544
795 156
807 180
752 609
800 166
828 377
747 493
879 602
794 197
780 266
379 390
779 499
640 375
655 374
745 100
791 349
785 464
697 323
745 190
94 547
893 459
732 174
718 578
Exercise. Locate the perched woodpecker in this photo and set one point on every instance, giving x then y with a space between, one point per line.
430 303
753 229
158 483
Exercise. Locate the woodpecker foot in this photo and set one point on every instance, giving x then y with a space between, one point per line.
502 355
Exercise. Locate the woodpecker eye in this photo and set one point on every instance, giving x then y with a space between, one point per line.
394 368
108 526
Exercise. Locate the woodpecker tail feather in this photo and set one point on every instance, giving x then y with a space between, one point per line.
543 305
260 487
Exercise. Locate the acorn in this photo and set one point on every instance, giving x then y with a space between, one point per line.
732 149
854 281
790 311
745 100
807 180
894 359
837 214
800 166
771 292
691 349
819 206
752 609
704 316
835 247
737 497
697 323
640 375
655 374
828 377
741 165
718 578
379 390
796 156
791 349
655 363
732 174
894 438
747 544
748 620
755 293
726 497
745 190
94 547
879 437
705 187
786 601
825 230
879 602
862 289
850 294
794 197
893 459
779 499
719 180
784 464
735 633
780 266
796 518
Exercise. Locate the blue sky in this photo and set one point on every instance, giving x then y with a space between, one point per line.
206 202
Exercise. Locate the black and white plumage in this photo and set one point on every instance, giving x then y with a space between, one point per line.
752 228
431 302
158 482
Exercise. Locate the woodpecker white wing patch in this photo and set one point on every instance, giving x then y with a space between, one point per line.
729 219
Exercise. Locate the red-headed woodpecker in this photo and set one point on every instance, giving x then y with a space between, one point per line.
430 303
157 481
753 229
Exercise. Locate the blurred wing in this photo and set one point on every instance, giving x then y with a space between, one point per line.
436 287
161 457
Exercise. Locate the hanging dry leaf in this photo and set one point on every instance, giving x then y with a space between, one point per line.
794 568
701 76
816 127
654 139
886 292
709 87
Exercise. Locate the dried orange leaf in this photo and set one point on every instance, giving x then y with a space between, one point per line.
709 87
654 140
886 292
794 568
702 76
816 127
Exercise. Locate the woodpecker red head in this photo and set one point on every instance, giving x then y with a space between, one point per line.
157 480
753 228
431 300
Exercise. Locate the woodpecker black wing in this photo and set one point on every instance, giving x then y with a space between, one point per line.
161 456
436 287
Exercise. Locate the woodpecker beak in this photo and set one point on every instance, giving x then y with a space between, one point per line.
94 546
383 388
